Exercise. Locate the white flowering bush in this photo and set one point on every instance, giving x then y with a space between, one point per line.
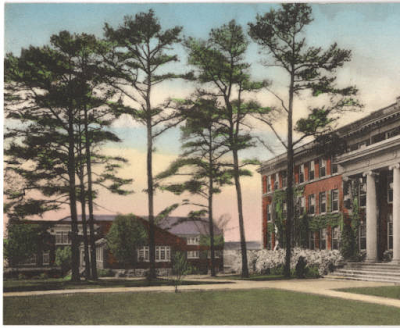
262 261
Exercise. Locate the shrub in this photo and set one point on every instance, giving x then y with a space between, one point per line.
21 276
312 272
63 258
348 244
105 273
301 268
43 275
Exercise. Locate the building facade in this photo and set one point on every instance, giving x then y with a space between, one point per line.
354 179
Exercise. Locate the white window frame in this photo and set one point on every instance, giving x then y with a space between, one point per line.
46 255
311 198
362 192
269 183
143 254
335 237
323 239
99 254
322 196
389 229
62 238
311 240
302 177
311 169
193 240
335 192
160 250
269 213
193 254
276 181
362 234
390 189
322 165
302 204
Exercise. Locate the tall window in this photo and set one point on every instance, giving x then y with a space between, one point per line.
362 236
311 240
284 179
99 254
269 216
143 253
335 237
322 239
390 189
322 167
311 171
334 167
311 204
334 200
276 181
302 205
390 232
363 192
46 258
301 173
62 238
269 183
322 202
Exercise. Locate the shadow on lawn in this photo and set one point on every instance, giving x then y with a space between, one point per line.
36 285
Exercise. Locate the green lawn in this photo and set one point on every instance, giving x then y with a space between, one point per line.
55 284
385 291
251 307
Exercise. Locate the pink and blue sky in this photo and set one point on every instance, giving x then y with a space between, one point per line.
370 30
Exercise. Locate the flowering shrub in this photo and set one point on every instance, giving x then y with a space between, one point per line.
262 261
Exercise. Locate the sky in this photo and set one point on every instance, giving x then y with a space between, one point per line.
370 30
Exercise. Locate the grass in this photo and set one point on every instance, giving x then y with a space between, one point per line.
60 283
384 291
250 307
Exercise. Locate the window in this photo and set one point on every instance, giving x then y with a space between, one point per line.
393 133
46 258
334 200
99 254
62 238
390 232
143 254
311 171
311 240
335 238
284 179
322 239
269 183
390 189
302 205
322 167
322 202
193 254
276 181
363 192
193 240
334 167
301 173
30 261
311 204
163 253
269 216
362 236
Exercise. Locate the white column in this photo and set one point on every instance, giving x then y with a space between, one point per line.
396 213
372 218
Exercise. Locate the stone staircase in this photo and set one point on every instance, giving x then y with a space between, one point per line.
381 272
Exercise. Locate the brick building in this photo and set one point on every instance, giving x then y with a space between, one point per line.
357 183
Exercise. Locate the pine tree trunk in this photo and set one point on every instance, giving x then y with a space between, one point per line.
72 201
210 211
150 193
90 201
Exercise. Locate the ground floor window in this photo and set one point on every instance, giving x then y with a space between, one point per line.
46 258
335 237
30 261
311 240
99 254
322 239
193 254
363 236
390 232
163 253
63 238
143 253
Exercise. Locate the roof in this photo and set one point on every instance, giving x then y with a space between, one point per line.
376 117
186 226
174 224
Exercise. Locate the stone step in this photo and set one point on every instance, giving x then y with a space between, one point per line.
365 278
377 271
367 273
373 265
